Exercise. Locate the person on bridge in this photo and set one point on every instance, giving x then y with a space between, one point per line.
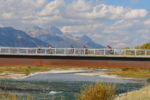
110 49
38 50
31 51
72 50
49 49
85 49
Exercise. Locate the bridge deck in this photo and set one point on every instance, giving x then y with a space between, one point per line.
76 57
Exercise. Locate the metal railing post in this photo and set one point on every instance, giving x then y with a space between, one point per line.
74 51
55 51
9 51
104 51
17 52
125 52
145 52
135 52
36 51
64 51
45 51
26 51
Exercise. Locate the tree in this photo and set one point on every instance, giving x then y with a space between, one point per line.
127 47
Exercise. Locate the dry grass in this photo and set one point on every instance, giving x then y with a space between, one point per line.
100 91
134 73
24 69
142 94
13 96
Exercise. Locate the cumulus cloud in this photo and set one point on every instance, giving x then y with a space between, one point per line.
52 9
17 11
147 22
7 16
106 24
43 11
136 13
80 10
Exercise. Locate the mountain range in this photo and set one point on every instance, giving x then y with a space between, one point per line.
54 36
39 37
10 37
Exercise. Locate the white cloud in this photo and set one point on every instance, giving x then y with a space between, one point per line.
7 15
81 28
147 22
40 3
80 6
52 8
82 9
120 45
105 12
100 21
136 13
144 31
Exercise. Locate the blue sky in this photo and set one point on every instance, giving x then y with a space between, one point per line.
135 4
118 23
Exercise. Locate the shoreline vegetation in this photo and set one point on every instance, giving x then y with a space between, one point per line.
97 91
133 73
142 94
22 72
139 75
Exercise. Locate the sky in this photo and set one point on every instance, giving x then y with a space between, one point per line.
118 23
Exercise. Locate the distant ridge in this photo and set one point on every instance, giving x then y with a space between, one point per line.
58 39
89 42
10 37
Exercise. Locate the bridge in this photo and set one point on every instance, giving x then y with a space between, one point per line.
82 57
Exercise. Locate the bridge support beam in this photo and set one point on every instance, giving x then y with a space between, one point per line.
71 61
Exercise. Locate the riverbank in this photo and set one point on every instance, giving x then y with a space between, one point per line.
21 73
77 71
142 94
133 73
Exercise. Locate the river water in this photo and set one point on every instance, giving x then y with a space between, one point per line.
61 85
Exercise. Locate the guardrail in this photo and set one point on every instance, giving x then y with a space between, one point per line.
73 51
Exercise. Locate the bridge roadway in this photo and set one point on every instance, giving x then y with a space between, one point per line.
75 57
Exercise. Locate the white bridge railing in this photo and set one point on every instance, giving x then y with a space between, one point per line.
73 51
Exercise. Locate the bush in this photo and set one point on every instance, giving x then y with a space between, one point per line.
27 71
100 91
125 69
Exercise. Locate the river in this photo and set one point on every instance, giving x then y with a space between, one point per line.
63 85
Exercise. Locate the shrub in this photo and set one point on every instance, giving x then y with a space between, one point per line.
99 91
27 71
